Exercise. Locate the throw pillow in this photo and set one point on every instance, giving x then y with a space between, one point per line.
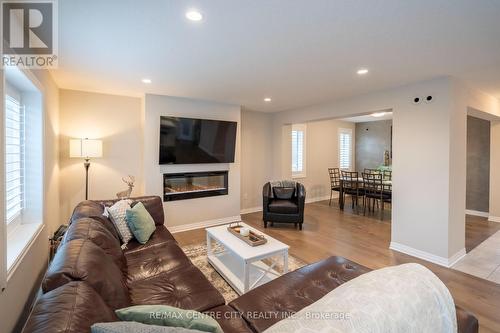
140 223
117 213
131 326
284 193
165 315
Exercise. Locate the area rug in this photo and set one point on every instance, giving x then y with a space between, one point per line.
198 255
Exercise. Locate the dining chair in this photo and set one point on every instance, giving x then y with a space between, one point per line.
375 191
351 186
334 182
373 171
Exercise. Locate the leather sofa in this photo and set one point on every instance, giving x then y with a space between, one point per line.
91 276
294 291
283 205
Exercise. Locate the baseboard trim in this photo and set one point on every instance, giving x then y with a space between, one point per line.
250 210
456 257
323 198
477 213
494 219
311 200
204 224
442 261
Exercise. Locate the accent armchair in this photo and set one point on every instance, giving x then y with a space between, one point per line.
284 203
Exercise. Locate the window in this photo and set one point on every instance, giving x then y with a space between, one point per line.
298 150
22 143
345 148
14 159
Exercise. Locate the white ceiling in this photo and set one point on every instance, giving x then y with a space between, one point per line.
297 52
368 118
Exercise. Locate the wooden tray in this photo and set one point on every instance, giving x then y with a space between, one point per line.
252 239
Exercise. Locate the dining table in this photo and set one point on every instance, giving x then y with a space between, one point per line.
385 183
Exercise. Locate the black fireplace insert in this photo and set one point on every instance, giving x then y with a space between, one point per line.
190 185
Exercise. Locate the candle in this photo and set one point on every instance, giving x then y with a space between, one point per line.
244 231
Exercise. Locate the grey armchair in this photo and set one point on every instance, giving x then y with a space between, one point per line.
283 204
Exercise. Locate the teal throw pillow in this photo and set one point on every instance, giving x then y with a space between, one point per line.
164 315
140 223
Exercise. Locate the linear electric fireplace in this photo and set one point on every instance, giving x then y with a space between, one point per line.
190 185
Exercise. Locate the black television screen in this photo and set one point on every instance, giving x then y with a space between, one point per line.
192 141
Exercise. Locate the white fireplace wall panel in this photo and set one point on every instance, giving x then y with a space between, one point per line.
199 211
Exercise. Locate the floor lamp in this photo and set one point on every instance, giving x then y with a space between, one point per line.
86 149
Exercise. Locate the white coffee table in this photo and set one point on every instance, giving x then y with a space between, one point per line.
241 264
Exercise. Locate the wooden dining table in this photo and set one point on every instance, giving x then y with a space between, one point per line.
387 183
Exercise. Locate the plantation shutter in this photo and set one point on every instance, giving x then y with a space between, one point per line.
297 151
345 147
14 158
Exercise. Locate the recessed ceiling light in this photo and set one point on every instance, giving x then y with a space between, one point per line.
378 114
362 71
146 81
267 99
194 15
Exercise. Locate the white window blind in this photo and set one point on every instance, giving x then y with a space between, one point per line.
298 150
14 158
345 148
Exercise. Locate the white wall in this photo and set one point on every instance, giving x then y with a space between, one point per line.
322 152
27 273
428 143
129 128
483 106
33 209
495 171
180 213
421 175
256 157
344 108
117 120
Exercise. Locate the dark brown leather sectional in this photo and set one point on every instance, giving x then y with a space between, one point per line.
91 276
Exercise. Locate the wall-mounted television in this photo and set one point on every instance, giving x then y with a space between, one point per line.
194 141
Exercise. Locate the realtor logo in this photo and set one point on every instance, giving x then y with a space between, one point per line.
29 32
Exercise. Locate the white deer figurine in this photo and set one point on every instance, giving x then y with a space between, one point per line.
130 182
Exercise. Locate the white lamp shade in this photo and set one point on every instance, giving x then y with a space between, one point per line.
85 148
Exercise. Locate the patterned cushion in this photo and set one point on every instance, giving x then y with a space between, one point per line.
118 213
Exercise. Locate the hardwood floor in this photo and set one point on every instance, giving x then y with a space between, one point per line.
477 230
365 240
